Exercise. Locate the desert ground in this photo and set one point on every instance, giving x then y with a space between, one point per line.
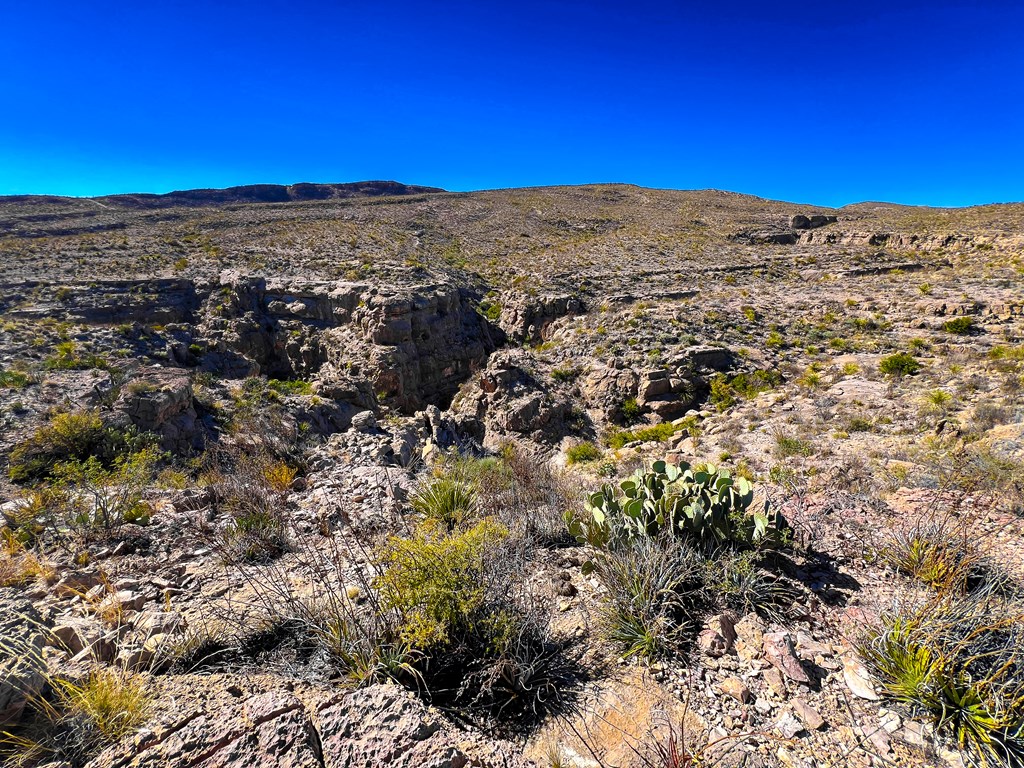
598 476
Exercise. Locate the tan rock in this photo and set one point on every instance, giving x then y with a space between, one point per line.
808 714
736 688
749 637
858 679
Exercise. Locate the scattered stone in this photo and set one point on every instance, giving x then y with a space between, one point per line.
808 714
718 636
776 683
364 421
858 679
749 637
736 688
779 650
788 725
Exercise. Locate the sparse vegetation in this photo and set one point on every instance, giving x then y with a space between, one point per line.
961 326
406 524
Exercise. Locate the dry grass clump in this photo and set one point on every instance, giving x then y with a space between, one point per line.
77 719
19 566
68 721
516 487
936 554
249 486
654 594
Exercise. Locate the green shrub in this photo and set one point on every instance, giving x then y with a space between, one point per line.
14 379
659 433
630 410
68 357
859 424
726 391
899 364
290 387
474 635
1004 352
491 309
962 326
787 446
583 452
567 373
434 581
70 437
918 344
100 497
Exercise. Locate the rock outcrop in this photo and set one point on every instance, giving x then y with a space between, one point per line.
376 726
507 399
160 400
526 318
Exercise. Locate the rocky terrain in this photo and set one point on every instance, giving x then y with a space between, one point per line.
303 476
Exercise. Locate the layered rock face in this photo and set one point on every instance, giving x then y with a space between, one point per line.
527 318
161 401
411 345
415 345
22 667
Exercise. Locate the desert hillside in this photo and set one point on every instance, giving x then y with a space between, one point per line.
374 474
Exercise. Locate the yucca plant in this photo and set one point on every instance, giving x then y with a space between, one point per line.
652 590
934 555
448 499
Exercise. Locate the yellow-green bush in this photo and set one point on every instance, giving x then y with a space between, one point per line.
70 437
434 580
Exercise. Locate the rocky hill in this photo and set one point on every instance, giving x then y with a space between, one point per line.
304 476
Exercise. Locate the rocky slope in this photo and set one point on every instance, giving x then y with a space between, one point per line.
317 354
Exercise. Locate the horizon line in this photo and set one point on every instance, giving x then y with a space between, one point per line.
442 190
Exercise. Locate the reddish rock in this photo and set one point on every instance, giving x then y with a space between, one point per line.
779 649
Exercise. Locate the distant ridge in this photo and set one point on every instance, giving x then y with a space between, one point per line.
249 193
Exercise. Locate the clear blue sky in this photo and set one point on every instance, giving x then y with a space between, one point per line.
831 103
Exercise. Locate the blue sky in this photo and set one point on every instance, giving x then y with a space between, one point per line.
829 103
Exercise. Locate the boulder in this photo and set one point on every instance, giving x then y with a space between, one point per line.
749 637
718 636
375 726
